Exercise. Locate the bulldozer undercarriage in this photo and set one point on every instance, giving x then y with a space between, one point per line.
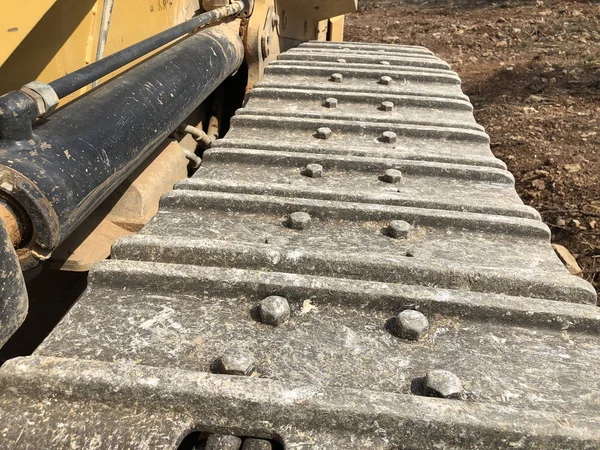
350 267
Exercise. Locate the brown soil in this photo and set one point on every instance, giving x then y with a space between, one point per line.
532 71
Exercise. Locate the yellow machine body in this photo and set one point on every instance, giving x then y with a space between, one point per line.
45 39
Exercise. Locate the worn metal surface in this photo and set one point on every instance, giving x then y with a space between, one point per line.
261 41
139 359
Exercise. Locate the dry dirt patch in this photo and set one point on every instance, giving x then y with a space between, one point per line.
532 70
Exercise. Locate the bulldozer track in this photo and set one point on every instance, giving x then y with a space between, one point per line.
353 185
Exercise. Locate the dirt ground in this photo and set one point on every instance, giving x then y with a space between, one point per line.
532 71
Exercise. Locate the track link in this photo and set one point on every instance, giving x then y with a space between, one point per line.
408 209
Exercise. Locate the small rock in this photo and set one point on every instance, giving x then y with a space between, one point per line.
390 39
441 383
567 259
528 110
572 168
538 184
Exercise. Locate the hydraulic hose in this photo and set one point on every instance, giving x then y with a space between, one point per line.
86 75
74 160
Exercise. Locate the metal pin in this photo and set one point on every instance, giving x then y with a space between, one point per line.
385 80
323 133
298 221
387 106
331 102
389 137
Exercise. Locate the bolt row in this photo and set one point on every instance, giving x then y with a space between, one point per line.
384 80
383 63
410 324
333 102
396 229
387 137
391 176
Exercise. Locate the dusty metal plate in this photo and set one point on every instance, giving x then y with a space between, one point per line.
135 359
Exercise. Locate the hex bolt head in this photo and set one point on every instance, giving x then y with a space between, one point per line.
392 176
313 171
256 444
336 78
385 80
385 63
387 106
441 383
389 137
323 133
274 310
398 229
411 324
236 362
331 103
222 442
298 221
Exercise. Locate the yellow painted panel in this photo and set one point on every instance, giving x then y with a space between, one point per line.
133 21
321 9
57 45
17 19
66 37
150 17
336 29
